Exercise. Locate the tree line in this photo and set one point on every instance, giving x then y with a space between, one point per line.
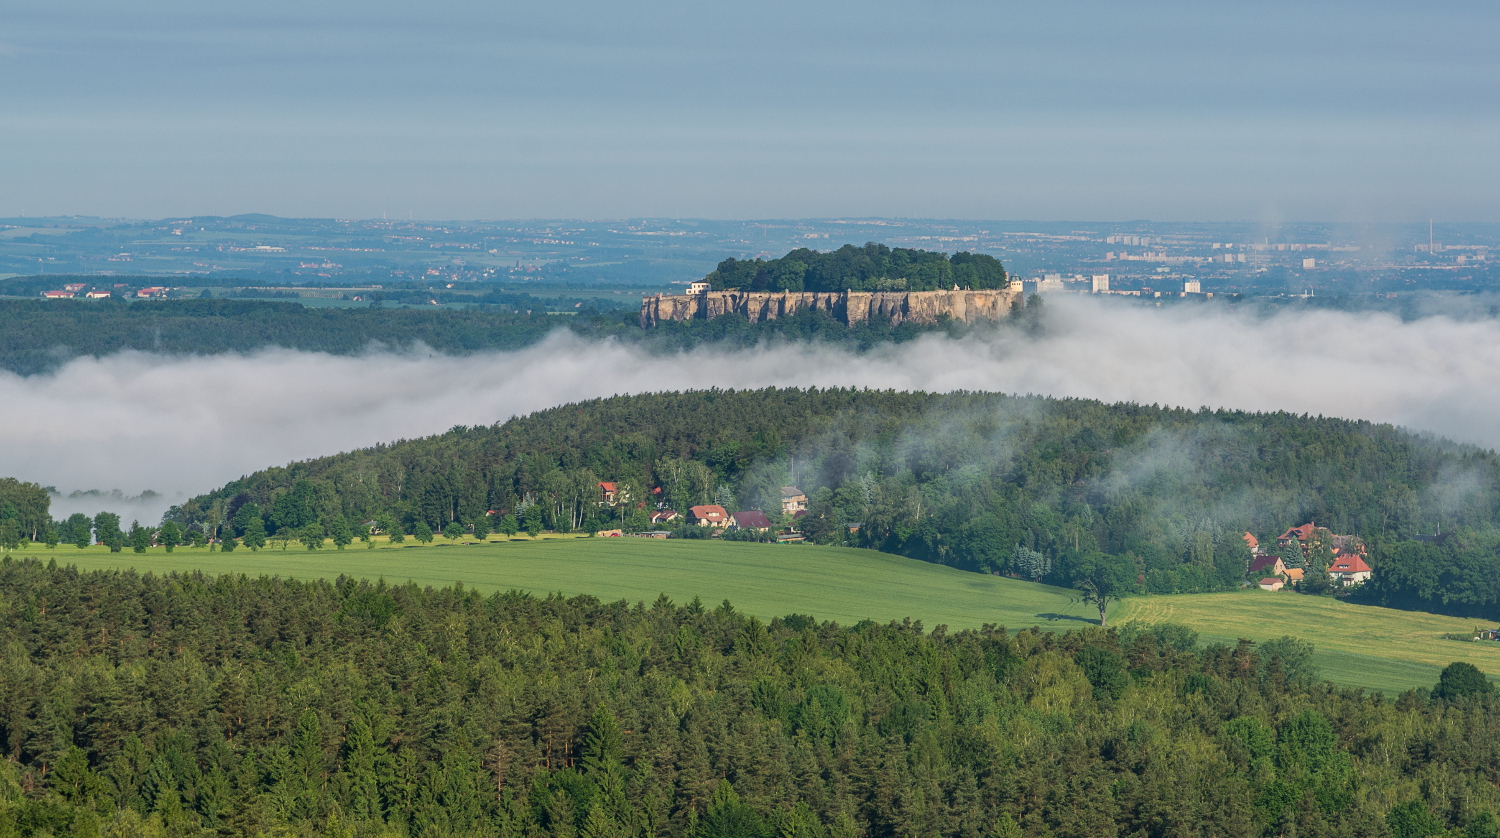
874 267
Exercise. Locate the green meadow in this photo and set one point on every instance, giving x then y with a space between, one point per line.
1376 648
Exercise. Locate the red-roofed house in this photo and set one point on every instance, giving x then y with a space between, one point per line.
607 492
712 515
1302 534
1271 583
1267 564
752 520
1349 569
58 295
1253 543
662 516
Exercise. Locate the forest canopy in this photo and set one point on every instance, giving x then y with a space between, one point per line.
191 705
874 267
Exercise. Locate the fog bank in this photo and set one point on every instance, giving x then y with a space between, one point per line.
180 426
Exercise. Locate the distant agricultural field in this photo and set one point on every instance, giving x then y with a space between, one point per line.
1376 648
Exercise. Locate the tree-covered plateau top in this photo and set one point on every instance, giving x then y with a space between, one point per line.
1158 498
874 267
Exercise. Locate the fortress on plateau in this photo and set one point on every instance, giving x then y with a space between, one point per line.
848 307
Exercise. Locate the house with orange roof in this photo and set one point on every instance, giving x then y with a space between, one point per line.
711 515
1349 569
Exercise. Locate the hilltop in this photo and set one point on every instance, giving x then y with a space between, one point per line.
1157 499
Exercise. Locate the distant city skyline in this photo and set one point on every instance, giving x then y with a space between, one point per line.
1371 111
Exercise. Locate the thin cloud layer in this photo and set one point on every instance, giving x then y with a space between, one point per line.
180 426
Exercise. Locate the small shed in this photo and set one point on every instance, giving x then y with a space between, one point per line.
1271 583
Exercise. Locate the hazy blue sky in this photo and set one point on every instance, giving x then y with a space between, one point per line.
1169 110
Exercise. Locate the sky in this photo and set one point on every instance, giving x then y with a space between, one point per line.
181 426
462 109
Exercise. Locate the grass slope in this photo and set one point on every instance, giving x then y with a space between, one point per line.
830 583
1363 646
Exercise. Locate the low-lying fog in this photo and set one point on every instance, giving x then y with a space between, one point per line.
180 426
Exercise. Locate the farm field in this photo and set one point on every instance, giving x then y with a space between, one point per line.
1364 646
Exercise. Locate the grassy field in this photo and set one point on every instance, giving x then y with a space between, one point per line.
1376 648
831 583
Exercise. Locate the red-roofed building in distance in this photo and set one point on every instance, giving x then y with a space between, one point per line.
1349 569
664 516
154 292
752 519
711 515
58 295
607 493
97 295
1271 583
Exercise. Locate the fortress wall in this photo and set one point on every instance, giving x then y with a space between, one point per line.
850 307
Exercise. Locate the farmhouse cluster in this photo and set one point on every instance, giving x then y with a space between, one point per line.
1306 550
714 519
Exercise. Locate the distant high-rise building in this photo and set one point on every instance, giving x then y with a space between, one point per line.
1191 286
1309 263
1101 284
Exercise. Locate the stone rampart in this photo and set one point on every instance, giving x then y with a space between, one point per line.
850 307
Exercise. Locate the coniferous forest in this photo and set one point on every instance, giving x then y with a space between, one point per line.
194 706
1148 499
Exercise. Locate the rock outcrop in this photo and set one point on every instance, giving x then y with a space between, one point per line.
850 307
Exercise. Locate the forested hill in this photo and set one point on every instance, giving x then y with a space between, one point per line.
874 267
1033 486
188 706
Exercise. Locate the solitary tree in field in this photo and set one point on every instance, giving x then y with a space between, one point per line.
533 520
482 527
227 543
255 534
422 533
341 533
311 536
198 537
1102 580
140 539
170 535
80 530
509 527
454 531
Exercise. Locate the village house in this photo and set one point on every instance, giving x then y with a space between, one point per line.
58 295
1271 583
1267 564
1349 569
711 515
1302 534
75 287
664 516
97 295
607 494
751 519
792 500
1294 576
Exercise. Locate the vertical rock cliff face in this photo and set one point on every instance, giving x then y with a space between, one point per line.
850 307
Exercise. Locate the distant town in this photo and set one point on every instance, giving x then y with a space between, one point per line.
340 259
